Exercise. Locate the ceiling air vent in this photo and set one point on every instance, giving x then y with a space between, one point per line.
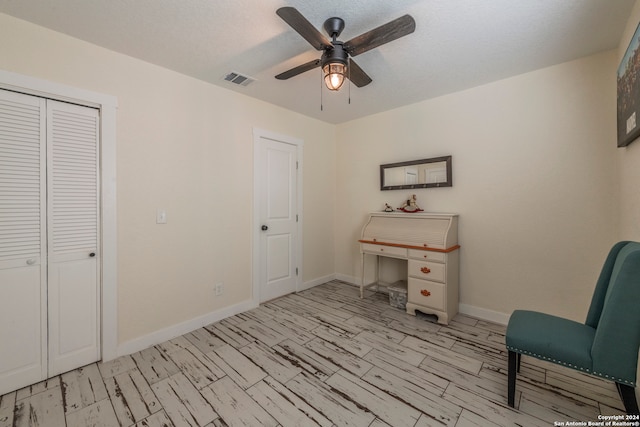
239 79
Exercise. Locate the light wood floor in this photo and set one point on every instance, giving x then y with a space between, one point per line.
321 357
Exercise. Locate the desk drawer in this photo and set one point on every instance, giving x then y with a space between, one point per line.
426 293
383 250
426 270
427 255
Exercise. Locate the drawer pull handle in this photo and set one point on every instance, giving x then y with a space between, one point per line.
381 249
425 293
425 270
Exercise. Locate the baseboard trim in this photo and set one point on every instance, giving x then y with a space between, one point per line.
484 314
349 279
315 282
179 329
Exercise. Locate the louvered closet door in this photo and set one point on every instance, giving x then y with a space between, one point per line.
73 218
22 243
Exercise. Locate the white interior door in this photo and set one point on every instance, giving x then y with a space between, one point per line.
278 217
73 238
22 242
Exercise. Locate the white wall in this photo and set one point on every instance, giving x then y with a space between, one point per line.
185 146
629 158
534 182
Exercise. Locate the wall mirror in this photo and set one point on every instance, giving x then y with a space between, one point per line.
424 173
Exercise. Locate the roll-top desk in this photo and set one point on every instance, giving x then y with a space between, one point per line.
429 243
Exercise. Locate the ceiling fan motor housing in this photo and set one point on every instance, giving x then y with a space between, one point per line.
334 26
337 53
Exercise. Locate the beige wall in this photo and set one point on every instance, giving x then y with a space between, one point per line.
629 158
534 170
187 147
628 164
534 182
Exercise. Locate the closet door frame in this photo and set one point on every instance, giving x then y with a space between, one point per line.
107 105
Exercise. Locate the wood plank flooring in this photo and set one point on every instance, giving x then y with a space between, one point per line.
322 357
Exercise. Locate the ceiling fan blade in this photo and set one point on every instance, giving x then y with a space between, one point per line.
291 16
357 75
381 35
298 70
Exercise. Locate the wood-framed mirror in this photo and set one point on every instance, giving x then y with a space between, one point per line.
423 173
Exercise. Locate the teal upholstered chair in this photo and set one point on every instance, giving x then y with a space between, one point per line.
606 345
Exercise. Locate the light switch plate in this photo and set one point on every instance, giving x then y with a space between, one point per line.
161 216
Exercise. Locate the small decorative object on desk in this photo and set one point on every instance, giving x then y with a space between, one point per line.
410 205
388 208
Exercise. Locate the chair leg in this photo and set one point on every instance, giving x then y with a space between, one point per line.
518 364
619 391
511 387
628 396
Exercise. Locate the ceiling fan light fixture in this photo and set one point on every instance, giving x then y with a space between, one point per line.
334 75
334 66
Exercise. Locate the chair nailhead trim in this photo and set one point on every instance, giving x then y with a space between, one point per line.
560 362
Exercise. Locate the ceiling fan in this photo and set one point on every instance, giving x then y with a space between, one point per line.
336 62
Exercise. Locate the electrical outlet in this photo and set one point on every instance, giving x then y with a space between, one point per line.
218 289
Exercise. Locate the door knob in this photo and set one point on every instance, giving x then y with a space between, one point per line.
264 228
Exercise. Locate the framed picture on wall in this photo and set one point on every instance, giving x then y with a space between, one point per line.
629 93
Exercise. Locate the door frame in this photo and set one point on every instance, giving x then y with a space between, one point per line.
258 134
107 105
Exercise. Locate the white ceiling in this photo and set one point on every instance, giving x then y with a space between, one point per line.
457 44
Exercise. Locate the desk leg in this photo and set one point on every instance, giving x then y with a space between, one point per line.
362 278
377 273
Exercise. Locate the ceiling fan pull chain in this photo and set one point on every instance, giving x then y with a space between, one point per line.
349 71
321 78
